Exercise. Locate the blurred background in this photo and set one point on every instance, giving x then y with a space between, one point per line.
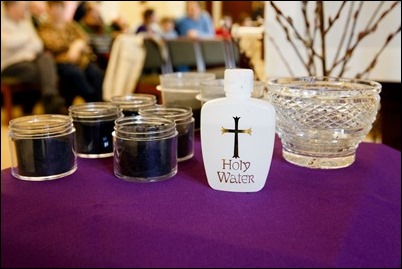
361 39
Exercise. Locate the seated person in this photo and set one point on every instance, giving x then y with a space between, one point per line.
197 23
69 45
100 34
79 11
92 22
38 12
226 26
23 58
149 24
167 28
119 24
245 20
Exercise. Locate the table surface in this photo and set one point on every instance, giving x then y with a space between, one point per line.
348 217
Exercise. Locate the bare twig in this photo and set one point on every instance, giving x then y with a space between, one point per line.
345 30
364 34
377 55
289 20
309 38
278 17
320 5
316 24
306 20
281 55
316 30
331 21
376 10
348 53
351 35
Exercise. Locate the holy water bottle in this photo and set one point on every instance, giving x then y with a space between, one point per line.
237 136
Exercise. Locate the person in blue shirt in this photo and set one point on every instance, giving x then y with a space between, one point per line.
197 23
168 28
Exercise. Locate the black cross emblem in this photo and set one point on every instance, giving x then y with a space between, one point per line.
236 131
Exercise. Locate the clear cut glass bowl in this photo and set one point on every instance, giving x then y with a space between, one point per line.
322 120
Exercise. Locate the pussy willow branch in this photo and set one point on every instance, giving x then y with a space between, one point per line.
306 21
342 40
375 12
279 16
309 39
312 54
316 26
363 34
331 21
281 55
349 34
289 39
377 55
320 5
348 53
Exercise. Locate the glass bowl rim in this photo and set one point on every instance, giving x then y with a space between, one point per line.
294 83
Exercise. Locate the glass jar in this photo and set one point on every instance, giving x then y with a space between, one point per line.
130 104
181 89
94 124
145 148
183 116
42 147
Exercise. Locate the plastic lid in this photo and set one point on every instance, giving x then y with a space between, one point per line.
239 81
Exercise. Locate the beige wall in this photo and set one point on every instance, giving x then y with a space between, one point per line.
132 10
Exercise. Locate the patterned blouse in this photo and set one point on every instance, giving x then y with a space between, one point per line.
58 41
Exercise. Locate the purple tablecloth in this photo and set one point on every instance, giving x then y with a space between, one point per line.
301 218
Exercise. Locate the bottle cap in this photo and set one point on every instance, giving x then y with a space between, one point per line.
239 81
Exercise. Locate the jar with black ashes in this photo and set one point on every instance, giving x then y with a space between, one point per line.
130 104
145 148
94 123
42 147
183 117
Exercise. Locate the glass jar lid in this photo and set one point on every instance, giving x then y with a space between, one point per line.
95 111
39 126
134 101
144 128
176 113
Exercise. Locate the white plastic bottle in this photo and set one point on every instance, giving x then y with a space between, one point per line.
237 136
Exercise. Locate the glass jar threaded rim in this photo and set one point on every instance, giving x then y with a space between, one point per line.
134 101
179 114
144 128
40 126
94 111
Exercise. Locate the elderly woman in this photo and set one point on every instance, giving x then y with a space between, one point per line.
23 58
69 45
